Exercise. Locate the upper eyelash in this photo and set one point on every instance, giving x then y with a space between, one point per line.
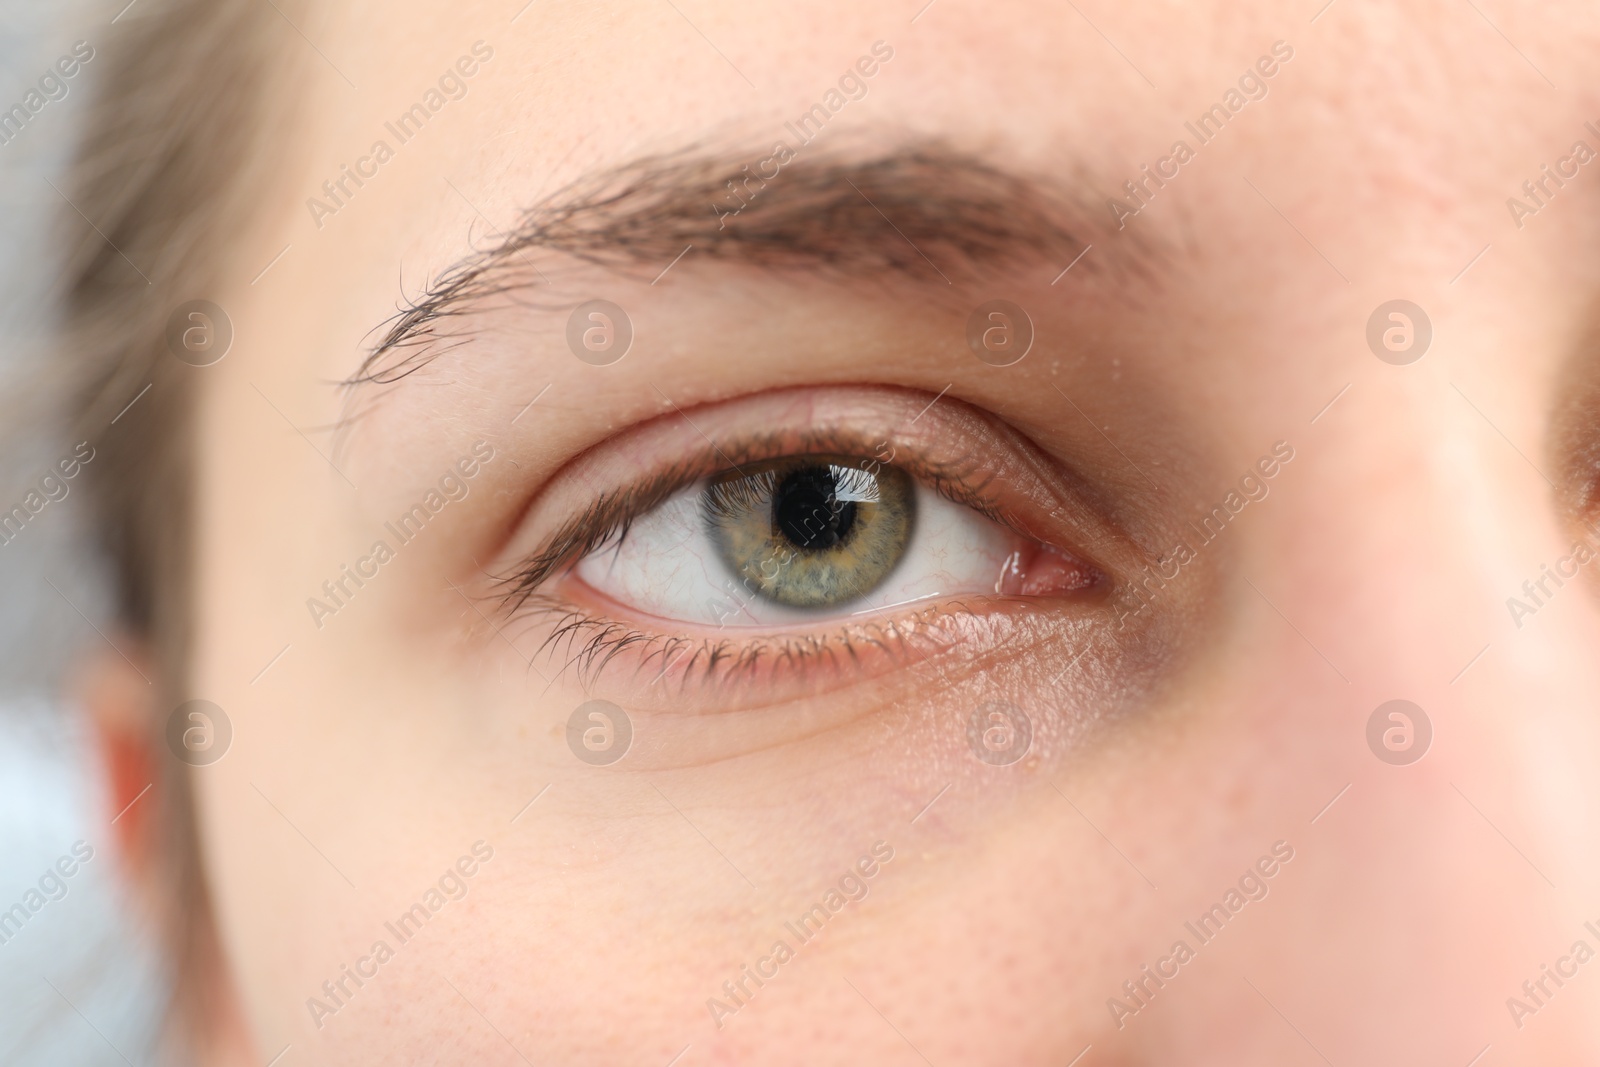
608 518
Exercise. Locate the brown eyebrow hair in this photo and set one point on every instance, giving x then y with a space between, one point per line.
925 213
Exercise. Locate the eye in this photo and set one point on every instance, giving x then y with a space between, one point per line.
804 538
790 538
800 536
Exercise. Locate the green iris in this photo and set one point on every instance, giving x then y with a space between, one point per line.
811 531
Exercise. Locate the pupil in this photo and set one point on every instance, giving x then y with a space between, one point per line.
806 510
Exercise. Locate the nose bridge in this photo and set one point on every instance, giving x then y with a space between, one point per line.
1418 554
1421 542
1516 722
1382 571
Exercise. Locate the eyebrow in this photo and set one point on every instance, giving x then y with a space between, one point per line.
924 213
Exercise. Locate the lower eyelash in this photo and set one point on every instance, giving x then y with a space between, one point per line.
591 643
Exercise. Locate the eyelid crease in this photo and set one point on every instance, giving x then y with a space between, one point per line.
607 520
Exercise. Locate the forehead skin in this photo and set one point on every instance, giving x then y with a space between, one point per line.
1377 167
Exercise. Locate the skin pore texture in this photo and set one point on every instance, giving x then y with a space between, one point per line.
1177 737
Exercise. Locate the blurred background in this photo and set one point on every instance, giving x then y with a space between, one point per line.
77 982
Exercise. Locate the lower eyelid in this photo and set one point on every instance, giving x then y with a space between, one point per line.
577 635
